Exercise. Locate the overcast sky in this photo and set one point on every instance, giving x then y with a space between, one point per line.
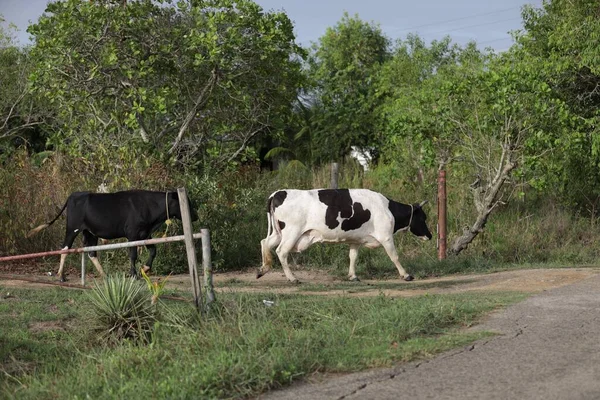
485 21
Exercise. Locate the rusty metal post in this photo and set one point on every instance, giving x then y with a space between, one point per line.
442 214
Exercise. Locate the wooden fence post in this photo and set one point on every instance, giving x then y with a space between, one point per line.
207 267
335 167
189 246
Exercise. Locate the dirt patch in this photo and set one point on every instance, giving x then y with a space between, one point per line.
320 283
44 326
10 283
530 281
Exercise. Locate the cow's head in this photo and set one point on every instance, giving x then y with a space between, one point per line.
175 210
418 223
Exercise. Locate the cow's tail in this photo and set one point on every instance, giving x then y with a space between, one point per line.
34 231
271 225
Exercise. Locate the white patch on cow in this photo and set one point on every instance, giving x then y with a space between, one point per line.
76 230
65 248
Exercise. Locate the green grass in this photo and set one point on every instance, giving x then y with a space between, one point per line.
243 348
37 326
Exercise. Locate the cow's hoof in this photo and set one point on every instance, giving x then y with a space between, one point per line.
259 274
296 282
146 269
408 278
354 279
63 279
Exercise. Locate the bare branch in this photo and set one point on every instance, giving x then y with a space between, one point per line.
244 144
200 101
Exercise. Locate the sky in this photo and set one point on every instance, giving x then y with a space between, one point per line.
485 21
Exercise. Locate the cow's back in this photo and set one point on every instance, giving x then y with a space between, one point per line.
334 213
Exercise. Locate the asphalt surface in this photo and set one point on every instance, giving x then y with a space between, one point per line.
549 348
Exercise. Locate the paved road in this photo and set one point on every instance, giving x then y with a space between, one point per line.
549 349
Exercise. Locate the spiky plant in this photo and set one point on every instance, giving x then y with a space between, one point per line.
122 309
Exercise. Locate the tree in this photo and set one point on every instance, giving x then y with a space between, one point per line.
197 82
19 119
561 39
343 68
490 115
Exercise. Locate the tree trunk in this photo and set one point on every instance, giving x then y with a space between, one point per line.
486 199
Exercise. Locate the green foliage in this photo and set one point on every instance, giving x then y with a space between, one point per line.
191 81
20 115
343 68
560 40
244 348
232 206
123 310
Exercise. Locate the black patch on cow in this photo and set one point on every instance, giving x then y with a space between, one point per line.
281 224
338 202
276 200
401 213
357 220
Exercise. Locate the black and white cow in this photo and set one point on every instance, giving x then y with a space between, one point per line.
132 214
359 217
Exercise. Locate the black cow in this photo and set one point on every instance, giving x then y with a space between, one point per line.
132 214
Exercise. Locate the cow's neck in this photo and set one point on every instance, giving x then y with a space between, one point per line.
162 212
402 214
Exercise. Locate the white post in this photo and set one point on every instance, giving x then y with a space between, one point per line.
83 268
207 267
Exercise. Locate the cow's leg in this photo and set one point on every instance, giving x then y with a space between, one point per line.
283 250
390 249
133 253
353 254
152 253
69 239
266 245
89 239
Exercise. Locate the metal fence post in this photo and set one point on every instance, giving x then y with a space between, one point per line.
83 260
207 267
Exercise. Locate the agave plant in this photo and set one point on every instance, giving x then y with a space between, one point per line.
122 309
